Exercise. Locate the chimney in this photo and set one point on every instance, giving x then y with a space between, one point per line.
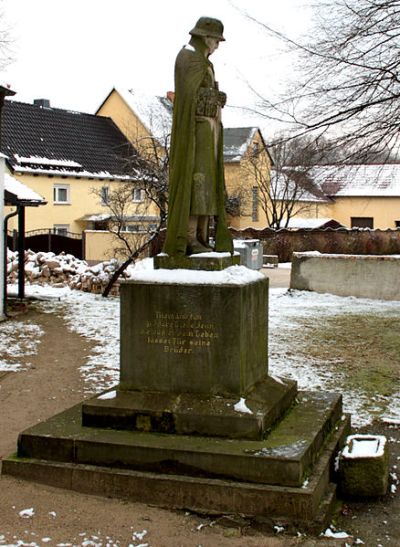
171 96
42 103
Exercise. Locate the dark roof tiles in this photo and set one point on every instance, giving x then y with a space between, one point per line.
94 143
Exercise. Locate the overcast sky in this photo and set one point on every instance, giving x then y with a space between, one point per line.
73 52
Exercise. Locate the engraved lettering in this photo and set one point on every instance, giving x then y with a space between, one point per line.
179 333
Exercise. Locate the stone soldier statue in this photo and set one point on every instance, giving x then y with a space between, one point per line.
196 181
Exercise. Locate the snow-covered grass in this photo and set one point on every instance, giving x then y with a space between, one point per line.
97 318
289 311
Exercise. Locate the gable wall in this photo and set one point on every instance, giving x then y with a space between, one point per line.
124 118
384 210
240 178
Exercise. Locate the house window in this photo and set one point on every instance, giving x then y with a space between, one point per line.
61 229
254 204
61 193
397 223
104 195
138 195
133 228
362 222
256 148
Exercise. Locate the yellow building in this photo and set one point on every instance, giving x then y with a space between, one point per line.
147 119
144 119
74 161
247 172
362 196
355 196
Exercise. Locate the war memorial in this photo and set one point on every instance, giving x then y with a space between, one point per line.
196 422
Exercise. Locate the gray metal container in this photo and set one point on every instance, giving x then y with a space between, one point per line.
251 252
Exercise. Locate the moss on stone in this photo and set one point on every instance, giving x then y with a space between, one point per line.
364 477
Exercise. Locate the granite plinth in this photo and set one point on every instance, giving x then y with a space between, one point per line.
193 338
191 413
201 261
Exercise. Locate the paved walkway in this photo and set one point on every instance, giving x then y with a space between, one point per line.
278 277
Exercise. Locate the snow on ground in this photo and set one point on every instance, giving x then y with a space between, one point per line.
26 339
97 318
286 310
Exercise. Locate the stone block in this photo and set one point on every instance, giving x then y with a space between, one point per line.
191 413
193 338
270 261
201 261
364 466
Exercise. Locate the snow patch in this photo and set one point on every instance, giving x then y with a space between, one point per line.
212 254
241 406
27 513
108 395
25 341
235 275
329 533
20 190
364 446
36 160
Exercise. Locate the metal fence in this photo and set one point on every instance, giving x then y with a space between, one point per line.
49 240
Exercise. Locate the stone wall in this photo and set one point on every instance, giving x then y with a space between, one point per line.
373 276
340 241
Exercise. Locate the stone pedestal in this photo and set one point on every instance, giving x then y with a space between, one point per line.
193 338
189 353
196 422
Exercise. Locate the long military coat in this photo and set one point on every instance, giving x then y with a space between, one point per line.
191 69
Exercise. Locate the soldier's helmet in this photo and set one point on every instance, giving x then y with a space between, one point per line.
207 26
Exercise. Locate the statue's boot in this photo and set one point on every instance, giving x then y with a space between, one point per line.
203 231
193 245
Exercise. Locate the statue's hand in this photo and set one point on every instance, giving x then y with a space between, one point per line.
221 98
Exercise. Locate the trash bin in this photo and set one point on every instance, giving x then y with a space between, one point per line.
251 252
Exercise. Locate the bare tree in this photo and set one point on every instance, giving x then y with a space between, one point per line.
6 42
288 189
128 218
348 82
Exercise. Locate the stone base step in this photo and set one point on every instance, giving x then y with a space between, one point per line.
193 413
284 458
307 507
